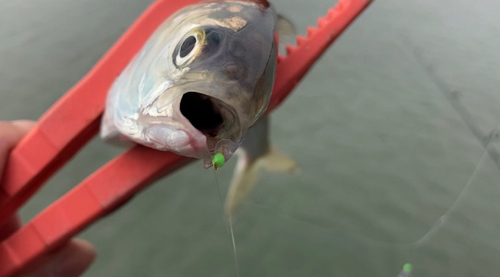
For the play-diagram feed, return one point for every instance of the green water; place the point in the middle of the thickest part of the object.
(383, 154)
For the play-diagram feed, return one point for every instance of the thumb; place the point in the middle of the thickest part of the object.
(73, 259)
(10, 134)
(69, 261)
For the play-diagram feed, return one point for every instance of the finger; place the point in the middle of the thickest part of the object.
(10, 134)
(74, 259)
(69, 261)
(24, 124)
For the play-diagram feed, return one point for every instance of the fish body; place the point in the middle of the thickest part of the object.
(199, 85)
(256, 154)
(200, 82)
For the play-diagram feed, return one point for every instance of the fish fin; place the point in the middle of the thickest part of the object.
(246, 176)
(286, 32)
(276, 162)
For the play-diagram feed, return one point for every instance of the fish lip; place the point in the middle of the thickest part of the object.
(197, 144)
(158, 132)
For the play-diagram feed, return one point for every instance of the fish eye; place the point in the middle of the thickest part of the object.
(200, 42)
(187, 46)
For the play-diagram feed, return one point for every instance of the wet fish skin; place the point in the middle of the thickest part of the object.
(218, 57)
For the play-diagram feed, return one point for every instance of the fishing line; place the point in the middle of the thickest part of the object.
(443, 219)
(218, 189)
(234, 246)
(218, 162)
(453, 98)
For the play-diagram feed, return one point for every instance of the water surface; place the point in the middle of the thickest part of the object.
(390, 172)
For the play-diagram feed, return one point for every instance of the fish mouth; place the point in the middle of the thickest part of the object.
(211, 116)
(203, 112)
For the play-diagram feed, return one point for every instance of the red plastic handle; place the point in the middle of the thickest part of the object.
(75, 118)
(124, 176)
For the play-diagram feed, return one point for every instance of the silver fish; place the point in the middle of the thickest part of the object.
(200, 82)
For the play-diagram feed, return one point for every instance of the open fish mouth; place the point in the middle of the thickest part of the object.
(203, 112)
(211, 116)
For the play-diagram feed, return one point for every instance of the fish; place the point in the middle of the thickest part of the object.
(200, 86)
(256, 154)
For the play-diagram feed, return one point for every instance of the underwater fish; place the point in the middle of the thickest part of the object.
(199, 85)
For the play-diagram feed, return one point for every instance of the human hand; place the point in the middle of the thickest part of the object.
(71, 259)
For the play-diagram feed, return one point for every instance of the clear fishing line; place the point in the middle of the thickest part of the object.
(218, 162)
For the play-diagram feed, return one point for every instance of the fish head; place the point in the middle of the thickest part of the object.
(201, 81)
